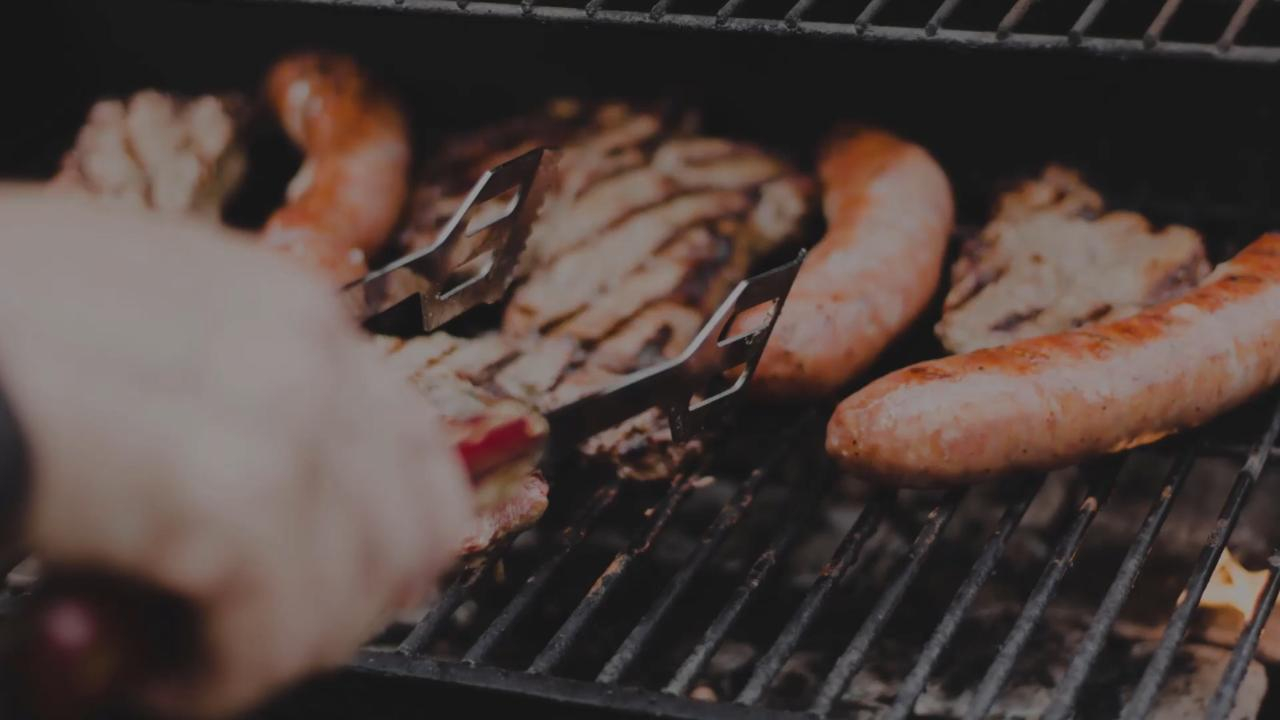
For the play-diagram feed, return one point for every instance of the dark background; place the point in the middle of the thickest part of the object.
(1186, 140)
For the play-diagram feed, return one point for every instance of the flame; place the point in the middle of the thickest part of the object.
(1232, 586)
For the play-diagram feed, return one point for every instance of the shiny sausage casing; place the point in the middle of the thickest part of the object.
(889, 214)
(1051, 401)
(353, 183)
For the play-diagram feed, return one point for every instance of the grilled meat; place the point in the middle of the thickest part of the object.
(160, 152)
(499, 438)
(1053, 400)
(516, 510)
(649, 228)
(889, 214)
(1050, 261)
(350, 191)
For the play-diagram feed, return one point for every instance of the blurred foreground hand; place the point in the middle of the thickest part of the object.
(202, 416)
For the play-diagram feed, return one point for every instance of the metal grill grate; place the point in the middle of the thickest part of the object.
(668, 698)
(1209, 29)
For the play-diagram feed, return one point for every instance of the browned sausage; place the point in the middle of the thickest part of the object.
(1051, 401)
(351, 188)
(889, 213)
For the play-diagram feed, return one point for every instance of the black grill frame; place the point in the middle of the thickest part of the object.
(864, 28)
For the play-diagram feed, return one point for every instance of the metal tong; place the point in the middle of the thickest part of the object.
(425, 289)
(673, 385)
(429, 287)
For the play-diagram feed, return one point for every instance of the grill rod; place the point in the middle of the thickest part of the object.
(1224, 698)
(555, 649)
(726, 520)
(851, 660)
(1101, 484)
(1063, 703)
(814, 600)
(430, 625)
(577, 531)
(915, 682)
(1158, 668)
(761, 570)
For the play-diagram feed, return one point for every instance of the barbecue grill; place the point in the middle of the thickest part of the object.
(627, 597)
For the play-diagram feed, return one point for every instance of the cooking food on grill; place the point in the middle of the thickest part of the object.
(1050, 261)
(500, 439)
(350, 191)
(160, 152)
(648, 230)
(1050, 401)
(889, 214)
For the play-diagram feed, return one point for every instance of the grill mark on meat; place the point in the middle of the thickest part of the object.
(479, 359)
(538, 370)
(1040, 261)
(569, 285)
(664, 327)
(1014, 319)
(611, 167)
(613, 201)
(1183, 278)
(713, 270)
(967, 284)
(694, 269)
(657, 279)
(1093, 315)
(601, 208)
(737, 167)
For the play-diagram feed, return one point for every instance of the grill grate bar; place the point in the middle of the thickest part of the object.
(727, 10)
(726, 520)
(1085, 21)
(574, 534)
(1236, 24)
(797, 11)
(861, 29)
(1224, 698)
(1064, 698)
(1157, 28)
(431, 623)
(851, 660)
(1237, 451)
(760, 571)
(869, 13)
(1013, 17)
(1161, 660)
(554, 652)
(940, 16)
(814, 600)
(1100, 486)
(915, 682)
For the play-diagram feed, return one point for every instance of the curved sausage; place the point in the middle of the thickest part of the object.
(1050, 401)
(889, 215)
(352, 185)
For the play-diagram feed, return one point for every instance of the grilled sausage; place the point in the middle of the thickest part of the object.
(889, 213)
(352, 186)
(1051, 401)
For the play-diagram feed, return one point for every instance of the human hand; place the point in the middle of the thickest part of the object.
(201, 416)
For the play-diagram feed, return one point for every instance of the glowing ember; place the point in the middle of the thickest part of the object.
(1232, 586)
